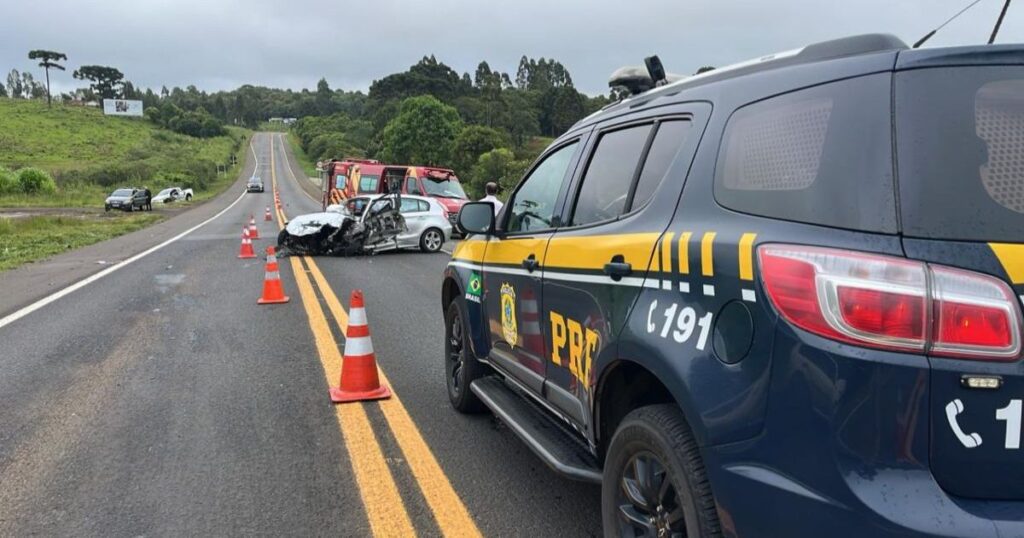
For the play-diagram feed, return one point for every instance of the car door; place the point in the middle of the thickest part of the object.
(415, 213)
(597, 261)
(513, 265)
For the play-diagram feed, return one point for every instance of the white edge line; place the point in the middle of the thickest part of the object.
(11, 318)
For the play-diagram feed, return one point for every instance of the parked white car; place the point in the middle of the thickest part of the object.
(172, 194)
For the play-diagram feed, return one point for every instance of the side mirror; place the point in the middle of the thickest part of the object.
(477, 218)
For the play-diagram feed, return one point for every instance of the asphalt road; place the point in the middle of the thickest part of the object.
(160, 400)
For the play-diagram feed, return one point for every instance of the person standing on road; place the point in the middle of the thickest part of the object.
(149, 198)
(491, 189)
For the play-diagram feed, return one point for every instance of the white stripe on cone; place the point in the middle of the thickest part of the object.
(358, 346)
(357, 316)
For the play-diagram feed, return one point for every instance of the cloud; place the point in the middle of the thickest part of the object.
(221, 44)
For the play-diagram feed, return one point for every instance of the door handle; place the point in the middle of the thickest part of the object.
(530, 263)
(618, 267)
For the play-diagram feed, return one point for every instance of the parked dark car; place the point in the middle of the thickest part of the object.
(126, 199)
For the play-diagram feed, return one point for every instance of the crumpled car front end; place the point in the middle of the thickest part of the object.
(337, 233)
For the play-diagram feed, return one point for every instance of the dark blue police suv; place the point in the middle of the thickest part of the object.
(777, 299)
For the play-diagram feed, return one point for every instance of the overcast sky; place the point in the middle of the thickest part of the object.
(222, 44)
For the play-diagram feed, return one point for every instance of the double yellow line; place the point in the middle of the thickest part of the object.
(384, 506)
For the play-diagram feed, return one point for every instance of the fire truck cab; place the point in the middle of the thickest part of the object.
(335, 179)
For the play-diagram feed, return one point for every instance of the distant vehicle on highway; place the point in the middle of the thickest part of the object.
(172, 194)
(126, 199)
(255, 184)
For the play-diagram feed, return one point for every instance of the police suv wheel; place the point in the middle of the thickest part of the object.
(654, 480)
(460, 366)
(431, 240)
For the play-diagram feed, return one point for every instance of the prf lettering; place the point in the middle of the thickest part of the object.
(569, 336)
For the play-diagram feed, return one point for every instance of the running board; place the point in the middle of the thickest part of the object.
(551, 442)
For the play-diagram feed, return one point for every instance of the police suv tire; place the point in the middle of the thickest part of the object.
(461, 397)
(188, 197)
(661, 431)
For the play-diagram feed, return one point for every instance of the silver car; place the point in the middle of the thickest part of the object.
(426, 221)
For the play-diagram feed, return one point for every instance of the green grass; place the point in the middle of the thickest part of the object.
(308, 166)
(25, 240)
(90, 154)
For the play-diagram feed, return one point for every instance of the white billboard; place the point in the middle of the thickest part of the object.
(122, 107)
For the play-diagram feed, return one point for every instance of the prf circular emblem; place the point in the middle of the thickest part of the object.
(508, 314)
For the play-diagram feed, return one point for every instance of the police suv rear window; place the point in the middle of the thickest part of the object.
(822, 155)
(960, 149)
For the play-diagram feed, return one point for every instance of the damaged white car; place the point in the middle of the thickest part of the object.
(368, 224)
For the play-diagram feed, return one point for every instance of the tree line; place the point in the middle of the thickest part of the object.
(486, 126)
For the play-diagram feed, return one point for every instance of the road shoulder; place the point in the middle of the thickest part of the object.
(26, 284)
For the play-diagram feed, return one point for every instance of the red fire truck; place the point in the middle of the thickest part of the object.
(336, 177)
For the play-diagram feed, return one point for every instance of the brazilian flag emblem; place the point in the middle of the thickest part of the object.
(475, 284)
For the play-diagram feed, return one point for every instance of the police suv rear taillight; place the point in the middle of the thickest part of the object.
(892, 303)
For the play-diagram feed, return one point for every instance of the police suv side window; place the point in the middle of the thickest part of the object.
(605, 188)
(532, 207)
(667, 141)
(822, 155)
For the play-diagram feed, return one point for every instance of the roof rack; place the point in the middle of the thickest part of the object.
(825, 50)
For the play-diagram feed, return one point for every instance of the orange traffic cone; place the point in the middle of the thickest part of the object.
(273, 293)
(246, 250)
(266, 216)
(254, 233)
(359, 380)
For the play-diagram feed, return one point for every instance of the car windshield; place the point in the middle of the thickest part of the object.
(122, 192)
(445, 188)
(165, 192)
(380, 205)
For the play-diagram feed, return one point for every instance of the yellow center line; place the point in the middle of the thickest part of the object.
(384, 507)
(449, 512)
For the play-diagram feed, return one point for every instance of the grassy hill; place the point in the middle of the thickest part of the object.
(90, 154)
